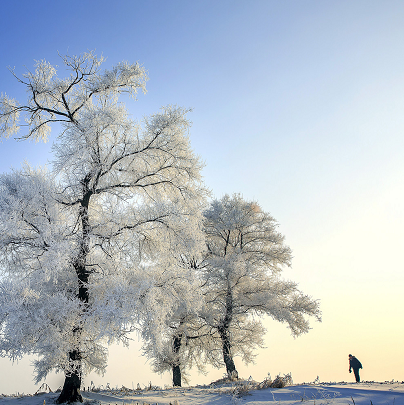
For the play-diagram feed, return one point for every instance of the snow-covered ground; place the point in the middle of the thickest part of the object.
(319, 394)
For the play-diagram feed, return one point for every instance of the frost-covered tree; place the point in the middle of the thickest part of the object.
(80, 245)
(241, 279)
(165, 334)
(169, 333)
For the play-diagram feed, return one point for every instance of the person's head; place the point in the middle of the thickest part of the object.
(350, 355)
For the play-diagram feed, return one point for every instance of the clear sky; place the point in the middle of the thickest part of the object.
(297, 105)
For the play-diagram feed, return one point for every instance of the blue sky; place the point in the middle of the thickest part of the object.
(296, 104)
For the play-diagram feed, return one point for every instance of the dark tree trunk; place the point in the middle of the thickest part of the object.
(225, 334)
(176, 367)
(71, 387)
(176, 376)
(227, 356)
(71, 390)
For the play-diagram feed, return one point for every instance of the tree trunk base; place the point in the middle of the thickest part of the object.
(71, 390)
(227, 357)
(176, 376)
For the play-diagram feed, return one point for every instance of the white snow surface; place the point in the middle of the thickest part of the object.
(388, 393)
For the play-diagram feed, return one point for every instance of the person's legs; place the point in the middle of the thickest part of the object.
(356, 372)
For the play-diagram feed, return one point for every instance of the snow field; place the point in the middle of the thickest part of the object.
(367, 393)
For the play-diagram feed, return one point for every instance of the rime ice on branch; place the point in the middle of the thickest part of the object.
(80, 245)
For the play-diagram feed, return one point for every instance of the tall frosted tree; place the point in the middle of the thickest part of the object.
(80, 244)
(241, 279)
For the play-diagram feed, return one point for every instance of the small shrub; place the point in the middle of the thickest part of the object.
(266, 383)
(43, 389)
(279, 382)
(241, 390)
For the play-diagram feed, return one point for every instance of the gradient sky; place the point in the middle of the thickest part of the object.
(297, 105)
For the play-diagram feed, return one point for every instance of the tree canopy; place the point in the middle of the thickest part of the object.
(239, 278)
(83, 244)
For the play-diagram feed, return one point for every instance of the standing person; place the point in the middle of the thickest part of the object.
(354, 364)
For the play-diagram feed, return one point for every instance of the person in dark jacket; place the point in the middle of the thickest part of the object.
(354, 364)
